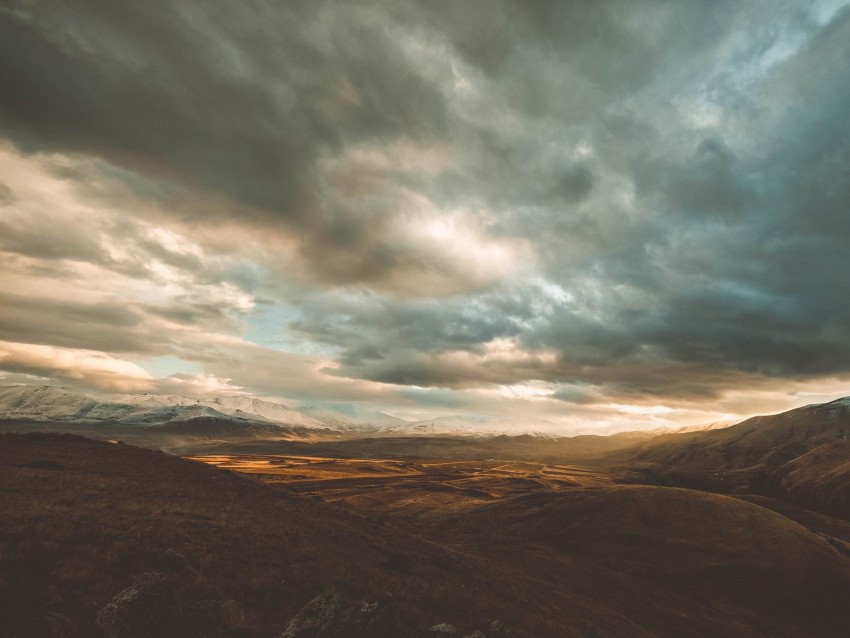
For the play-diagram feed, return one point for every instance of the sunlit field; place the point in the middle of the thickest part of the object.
(387, 486)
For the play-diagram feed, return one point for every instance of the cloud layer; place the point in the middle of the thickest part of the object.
(574, 210)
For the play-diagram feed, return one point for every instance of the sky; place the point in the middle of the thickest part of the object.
(596, 215)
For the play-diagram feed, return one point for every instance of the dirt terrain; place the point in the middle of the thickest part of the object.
(747, 558)
(548, 549)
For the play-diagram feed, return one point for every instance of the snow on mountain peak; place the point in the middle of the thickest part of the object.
(52, 403)
(47, 403)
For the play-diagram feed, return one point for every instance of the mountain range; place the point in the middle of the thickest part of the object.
(51, 403)
(718, 456)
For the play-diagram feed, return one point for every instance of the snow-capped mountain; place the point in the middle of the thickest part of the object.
(50, 403)
(480, 425)
(356, 414)
(44, 403)
(243, 407)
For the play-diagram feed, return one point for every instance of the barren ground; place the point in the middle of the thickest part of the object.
(551, 549)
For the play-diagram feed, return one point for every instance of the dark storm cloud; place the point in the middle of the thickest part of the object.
(112, 326)
(243, 101)
(735, 264)
(575, 184)
(430, 325)
(673, 177)
(96, 326)
(7, 195)
(536, 338)
(704, 184)
(35, 239)
(184, 311)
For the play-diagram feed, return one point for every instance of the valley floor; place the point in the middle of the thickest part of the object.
(523, 517)
(383, 486)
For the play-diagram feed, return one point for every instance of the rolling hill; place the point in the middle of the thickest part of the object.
(723, 563)
(82, 520)
(739, 457)
(818, 480)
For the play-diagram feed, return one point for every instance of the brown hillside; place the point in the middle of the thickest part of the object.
(818, 480)
(81, 519)
(738, 457)
(726, 565)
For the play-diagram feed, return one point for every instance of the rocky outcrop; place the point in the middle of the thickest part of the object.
(149, 609)
(497, 628)
(316, 617)
(443, 629)
(330, 616)
(146, 608)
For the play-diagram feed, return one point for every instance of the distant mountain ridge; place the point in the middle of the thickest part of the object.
(721, 445)
(799, 456)
(761, 441)
(52, 403)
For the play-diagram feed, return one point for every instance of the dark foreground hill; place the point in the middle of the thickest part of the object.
(724, 565)
(82, 520)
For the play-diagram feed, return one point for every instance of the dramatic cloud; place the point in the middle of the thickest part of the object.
(94, 369)
(588, 212)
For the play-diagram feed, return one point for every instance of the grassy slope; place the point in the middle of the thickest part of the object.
(818, 480)
(681, 562)
(737, 459)
(81, 518)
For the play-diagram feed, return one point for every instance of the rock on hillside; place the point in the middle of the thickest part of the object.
(330, 616)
